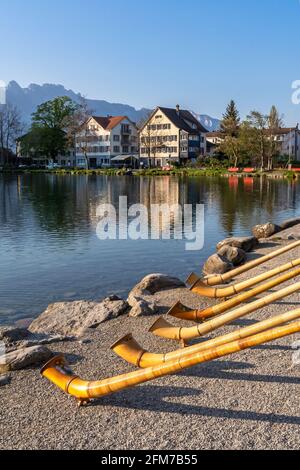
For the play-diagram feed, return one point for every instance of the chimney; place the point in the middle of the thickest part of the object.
(177, 109)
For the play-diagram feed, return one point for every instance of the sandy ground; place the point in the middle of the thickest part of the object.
(249, 400)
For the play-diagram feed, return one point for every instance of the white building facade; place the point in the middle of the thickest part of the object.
(171, 135)
(104, 138)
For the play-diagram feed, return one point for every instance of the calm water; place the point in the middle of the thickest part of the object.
(50, 252)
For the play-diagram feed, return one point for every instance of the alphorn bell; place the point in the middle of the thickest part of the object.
(221, 292)
(56, 370)
(128, 349)
(184, 313)
(165, 330)
(222, 278)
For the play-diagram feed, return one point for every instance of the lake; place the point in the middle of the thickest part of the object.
(50, 250)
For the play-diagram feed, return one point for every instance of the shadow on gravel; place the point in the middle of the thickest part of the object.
(155, 399)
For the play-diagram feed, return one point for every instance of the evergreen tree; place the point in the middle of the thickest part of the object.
(231, 120)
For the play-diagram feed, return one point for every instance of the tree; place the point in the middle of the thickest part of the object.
(275, 122)
(258, 141)
(232, 148)
(50, 122)
(231, 145)
(10, 129)
(78, 126)
(231, 120)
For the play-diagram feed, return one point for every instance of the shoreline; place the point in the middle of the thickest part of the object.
(188, 172)
(246, 401)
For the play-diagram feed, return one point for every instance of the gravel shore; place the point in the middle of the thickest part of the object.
(250, 400)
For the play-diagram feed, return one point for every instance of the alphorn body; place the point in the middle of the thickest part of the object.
(57, 371)
(184, 313)
(221, 292)
(128, 348)
(165, 330)
(222, 278)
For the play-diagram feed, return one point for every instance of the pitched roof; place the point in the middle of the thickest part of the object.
(215, 134)
(285, 130)
(109, 122)
(179, 119)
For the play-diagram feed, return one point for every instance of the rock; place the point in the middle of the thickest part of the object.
(4, 379)
(289, 223)
(265, 230)
(71, 318)
(12, 335)
(234, 255)
(142, 307)
(24, 322)
(244, 243)
(22, 358)
(154, 283)
(217, 264)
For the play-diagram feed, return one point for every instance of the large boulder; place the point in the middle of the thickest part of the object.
(289, 223)
(153, 283)
(216, 264)
(19, 338)
(21, 358)
(140, 297)
(265, 230)
(71, 318)
(234, 255)
(244, 243)
(142, 306)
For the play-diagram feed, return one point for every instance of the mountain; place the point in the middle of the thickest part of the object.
(27, 100)
(211, 124)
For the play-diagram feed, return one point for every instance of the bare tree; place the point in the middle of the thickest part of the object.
(78, 131)
(10, 129)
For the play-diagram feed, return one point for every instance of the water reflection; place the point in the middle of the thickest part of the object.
(49, 250)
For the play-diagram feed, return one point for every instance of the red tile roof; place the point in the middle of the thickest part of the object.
(109, 122)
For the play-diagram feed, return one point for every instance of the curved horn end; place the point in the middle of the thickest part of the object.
(128, 349)
(160, 323)
(55, 361)
(125, 339)
(177, 310)
(192, 279)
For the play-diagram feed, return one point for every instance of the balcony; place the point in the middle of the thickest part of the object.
(126, 130)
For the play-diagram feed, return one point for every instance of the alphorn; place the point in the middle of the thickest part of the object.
(184, 313)
(57, 370)
(221, 292)
(164, 329)
(128, 348)
(222, 278)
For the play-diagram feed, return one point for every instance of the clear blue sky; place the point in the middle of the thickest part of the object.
(194, 52)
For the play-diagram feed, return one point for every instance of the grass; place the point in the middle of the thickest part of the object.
(180, 171)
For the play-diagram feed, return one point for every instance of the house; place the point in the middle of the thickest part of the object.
(171, 135)
(287, 138)
(289, 142)
(213, 140)
(105, 140)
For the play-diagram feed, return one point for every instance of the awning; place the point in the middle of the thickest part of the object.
(122, 158)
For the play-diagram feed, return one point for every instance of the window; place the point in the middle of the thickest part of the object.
(159, 116)
(116, 148)
(116, 138)
(125, 149)
(194, 137)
